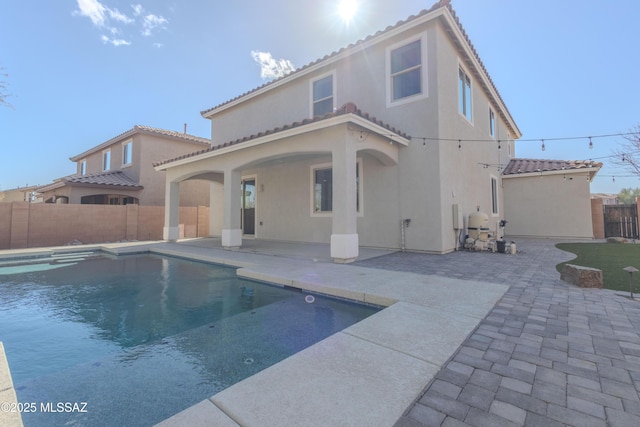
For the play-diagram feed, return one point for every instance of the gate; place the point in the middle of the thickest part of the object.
(621, 221)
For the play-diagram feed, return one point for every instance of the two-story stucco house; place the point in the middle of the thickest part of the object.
(120, 171)
(390, 142)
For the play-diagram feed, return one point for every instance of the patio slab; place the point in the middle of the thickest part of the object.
(341, 378)
(422, 332)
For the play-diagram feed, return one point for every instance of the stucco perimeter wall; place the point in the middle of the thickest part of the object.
(25, 225)
(548, 206)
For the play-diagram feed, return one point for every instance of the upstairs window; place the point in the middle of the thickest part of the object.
(464, 92)
(83, 167)
(406, 70)
(492, 123)
(127, 152)
(322, 96)
(106, 160)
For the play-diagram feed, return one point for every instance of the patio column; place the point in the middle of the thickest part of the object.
(231, 229)
(344, 232)
(171, 231)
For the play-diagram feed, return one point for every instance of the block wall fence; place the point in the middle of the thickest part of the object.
(30, 225)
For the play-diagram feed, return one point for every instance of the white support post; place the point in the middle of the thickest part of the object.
(231, 228)
(344, 231)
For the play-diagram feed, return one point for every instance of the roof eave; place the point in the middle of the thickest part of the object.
(332, 58)
(592, 170)
(480, 70)
(310, 127)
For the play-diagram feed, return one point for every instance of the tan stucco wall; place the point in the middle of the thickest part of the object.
(433, 174)
(548, 206)
(16, 195)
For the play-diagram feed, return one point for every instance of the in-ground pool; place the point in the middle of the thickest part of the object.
(139, 338)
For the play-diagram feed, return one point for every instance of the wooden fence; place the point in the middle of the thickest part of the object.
(29, 225)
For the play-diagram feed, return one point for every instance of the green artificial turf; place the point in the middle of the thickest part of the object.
(611, 258)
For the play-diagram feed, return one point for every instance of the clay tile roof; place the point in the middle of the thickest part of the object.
(518, 166)
(348, 108)
(438, 5)
(114, 179)
(173, 134)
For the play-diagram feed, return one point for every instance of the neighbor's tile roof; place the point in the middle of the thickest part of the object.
(436, 6)
(517, 166)
(348, 108)
(145, 130)
(112, 179)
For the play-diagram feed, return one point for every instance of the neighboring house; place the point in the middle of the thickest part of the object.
(21, 194)
(549, 198)
(403, 128)
(120, 171)
(607, 199)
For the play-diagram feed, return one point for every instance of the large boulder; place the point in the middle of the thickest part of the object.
(585, 277)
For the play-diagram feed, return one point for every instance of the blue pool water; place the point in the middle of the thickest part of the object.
(141, 337)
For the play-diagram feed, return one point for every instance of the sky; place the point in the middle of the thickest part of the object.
(79, 72)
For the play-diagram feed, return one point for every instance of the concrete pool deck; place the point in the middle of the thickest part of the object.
(369, 373)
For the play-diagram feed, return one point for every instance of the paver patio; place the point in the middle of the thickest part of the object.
(547, 354)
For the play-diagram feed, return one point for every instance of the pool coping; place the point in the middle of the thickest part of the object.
(366, 374)
(9, 415)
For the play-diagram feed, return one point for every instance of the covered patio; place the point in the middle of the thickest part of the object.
(306, 180)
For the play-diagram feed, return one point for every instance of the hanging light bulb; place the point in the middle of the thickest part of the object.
(590, 143)
(459, 144)
(614, 179)
(543, 147)
(499, 145)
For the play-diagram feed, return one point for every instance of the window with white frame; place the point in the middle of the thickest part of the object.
(83, 167)
(322, 179)
(405, 71)
(464, 93)
(492, 123)
(127, 152)
(106, 160)
(322, 95)
(494, 195)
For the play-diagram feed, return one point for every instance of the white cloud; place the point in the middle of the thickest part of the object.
(114, 41)
(271, 68)
(93, 10)
(112, 21)
(120, 17)
(151, 22)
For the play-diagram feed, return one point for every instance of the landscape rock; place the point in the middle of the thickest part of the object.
(584, 277)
